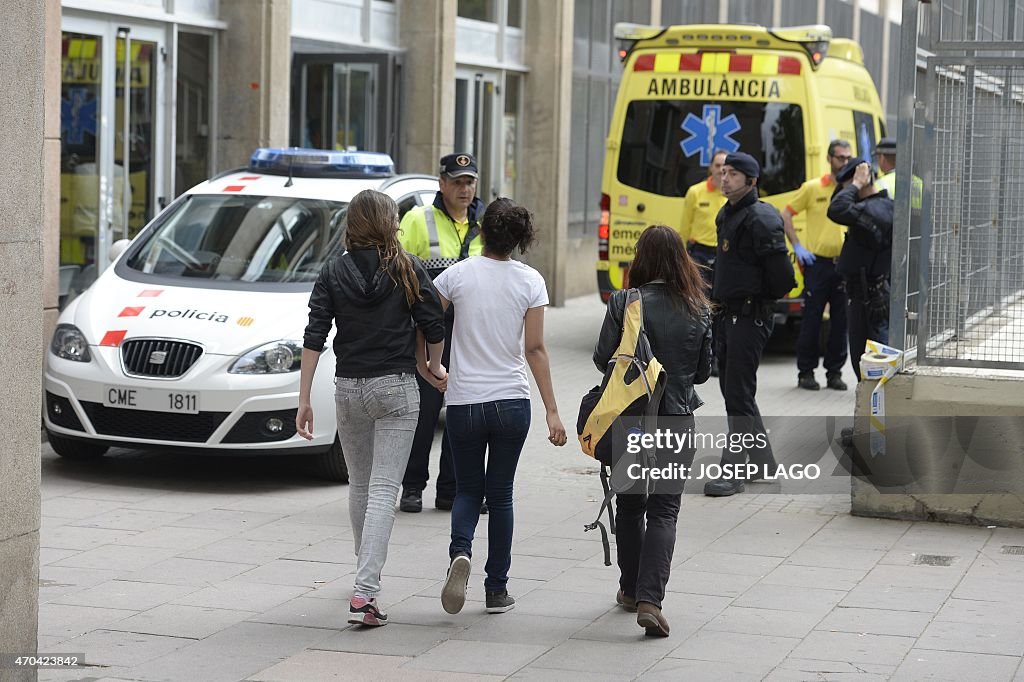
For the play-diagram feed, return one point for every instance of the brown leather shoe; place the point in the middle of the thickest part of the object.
(627, 603)
(648, 616)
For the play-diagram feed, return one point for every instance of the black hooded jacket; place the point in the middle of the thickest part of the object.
(376, 327)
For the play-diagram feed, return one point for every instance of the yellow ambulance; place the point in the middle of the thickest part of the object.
(687, 91)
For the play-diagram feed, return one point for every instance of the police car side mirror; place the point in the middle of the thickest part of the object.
(117, 248)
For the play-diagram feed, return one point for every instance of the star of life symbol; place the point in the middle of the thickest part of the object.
(78, 115)
(709, 133)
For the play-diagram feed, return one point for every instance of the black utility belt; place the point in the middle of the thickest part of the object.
(702, 248)
(760, 308)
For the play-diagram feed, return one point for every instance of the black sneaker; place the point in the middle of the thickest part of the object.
(723, 487)
(363, 611)
(443, 503)
(412, 501)
(807, 381)
(499, 602)
(453, 594)
(483, 508)
(835, 382)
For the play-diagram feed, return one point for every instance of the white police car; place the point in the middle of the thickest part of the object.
(192, 338)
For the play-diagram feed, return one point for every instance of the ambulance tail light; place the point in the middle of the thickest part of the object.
(604, 227)
(628, 34)
(813, 39)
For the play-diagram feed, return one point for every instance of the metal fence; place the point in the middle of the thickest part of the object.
(958, 258)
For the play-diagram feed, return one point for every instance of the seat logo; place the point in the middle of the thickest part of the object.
(157, 357)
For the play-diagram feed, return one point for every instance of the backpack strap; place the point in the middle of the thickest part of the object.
(609, 493)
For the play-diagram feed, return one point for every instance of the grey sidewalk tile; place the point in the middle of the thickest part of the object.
(56, 582)
(62, 620)
(176, 620)
(334, 666)
(933, 577)
(896, 598)
(393, 588)
(231, 654)
(801, 670)
(515, 626)
(123, 594)
(245, 551)
(972, 611)
(64, 507)
(697, 606)
(410, 562)
(532, 673)
(517, 587)
(538, 567)
(418, 610)
(673, 669)
(237, 594)
(51, 555)
(602, 581)
(876, 622)
(292, 572)
(175, 537)
(815, 576)
(760, 652)
(130, 519)
(286, 530)
(335, 550)
(397, 639)
(486, 658)
(947, 666)
(978, 638)
(788, 598)
(266, 504)
(124, 649)
(717, 584)
(990, 589)
(769, 534)
(127, 494)
(999, 567)
(755, 621)
(121, 557)
(306, 612)
(180, 571)
(581, 657)
(835, 557)
(854, 647)
(734, 564)
(75, 537)
(227, 519)
(620, 627)
(190, 501)
(581, 605)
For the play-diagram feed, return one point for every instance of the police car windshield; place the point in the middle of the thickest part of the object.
(239, 238)
(667, 144)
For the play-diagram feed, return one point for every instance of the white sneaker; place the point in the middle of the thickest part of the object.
(453, 596)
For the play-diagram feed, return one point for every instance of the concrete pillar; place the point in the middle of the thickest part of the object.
(547, 104)
(30, 146)
(427, 31)
(254, 94)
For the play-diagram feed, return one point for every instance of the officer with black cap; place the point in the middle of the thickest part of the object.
(440, 235)
(866, 257)
(752, 271)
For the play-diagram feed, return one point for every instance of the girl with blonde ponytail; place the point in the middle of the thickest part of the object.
(383, 304)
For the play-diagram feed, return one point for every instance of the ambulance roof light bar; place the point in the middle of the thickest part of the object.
(628, 34)
(321, 163)
(814, 39)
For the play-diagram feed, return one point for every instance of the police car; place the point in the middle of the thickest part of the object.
(192, 337)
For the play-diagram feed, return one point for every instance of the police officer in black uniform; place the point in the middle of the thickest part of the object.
(752, 271)
(866, 257)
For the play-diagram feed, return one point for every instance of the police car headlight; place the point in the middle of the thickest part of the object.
(69, 343)
(276, 357)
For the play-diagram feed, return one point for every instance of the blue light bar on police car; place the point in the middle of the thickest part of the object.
(321, 163)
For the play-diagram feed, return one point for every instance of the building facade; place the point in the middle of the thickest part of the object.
(157, 95)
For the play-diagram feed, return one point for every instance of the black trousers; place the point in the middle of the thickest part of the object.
(645, 538)
(705, 255)
(417, 472)
(822, 285)
(740, 340)
(862, 329)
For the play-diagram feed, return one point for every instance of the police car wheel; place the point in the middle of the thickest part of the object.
(332, 465)
(70, 448)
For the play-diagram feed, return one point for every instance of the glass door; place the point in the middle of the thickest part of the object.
(111, 142)
(344, 102)
(478, 112)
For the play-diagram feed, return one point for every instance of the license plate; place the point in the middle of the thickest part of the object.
(151, 399)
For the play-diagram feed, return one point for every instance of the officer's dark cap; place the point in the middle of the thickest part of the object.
(454, 165)
(849, 168)
(886, 145)
(744, 163)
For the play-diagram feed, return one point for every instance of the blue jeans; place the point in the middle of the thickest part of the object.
(499, 429)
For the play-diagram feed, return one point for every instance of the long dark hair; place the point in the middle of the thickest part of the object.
(373, 222)
(507, 226)
(661, 254)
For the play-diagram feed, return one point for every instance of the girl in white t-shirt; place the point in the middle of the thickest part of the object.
(497, 300)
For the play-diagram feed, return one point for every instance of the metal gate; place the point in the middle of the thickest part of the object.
(958, 259)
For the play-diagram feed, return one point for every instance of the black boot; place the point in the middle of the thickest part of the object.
(834, 380)
(806, 380)
(723, 487)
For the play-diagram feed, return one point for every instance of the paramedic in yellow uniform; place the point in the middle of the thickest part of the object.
(823, 240)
